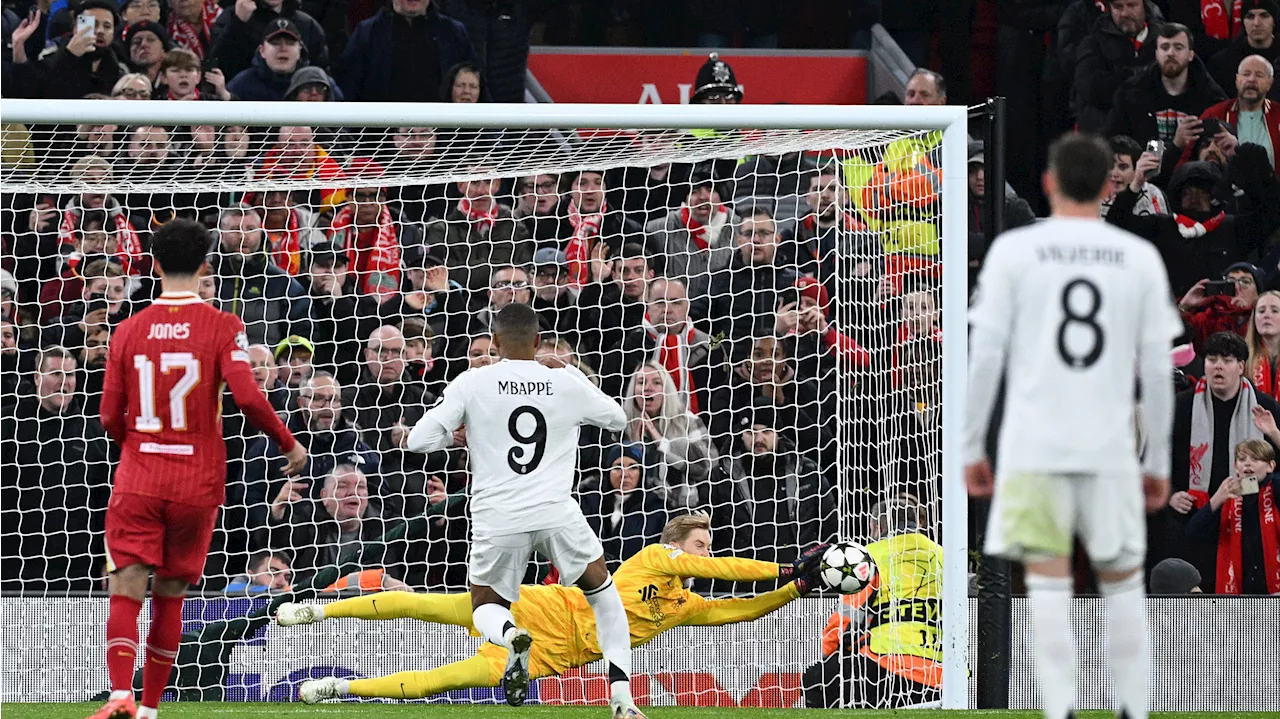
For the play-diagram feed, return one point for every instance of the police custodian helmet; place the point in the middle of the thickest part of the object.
(715, 77)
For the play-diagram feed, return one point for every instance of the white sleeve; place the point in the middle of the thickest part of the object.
(1160, 325)
(991, 320)
(435, 430)
(597, 408)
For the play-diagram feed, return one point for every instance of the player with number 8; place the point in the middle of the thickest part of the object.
(161, 403)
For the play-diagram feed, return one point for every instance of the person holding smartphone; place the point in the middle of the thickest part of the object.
(86, 61)
(1223, 305)
(1241, 519)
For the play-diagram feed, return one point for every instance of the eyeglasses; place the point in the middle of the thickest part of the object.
(1243, 281)
(511, 285)
(366, 196)
(546, 185)
(389, 352)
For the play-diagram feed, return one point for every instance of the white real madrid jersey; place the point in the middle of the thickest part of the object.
(522, 421)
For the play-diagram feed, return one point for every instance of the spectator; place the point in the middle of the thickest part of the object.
(84, 62)
(103, 295)
(295, 155)
(775, 500)
(807, 333)
(340, 318)
(1263, 339)
(133, 86)
(463, 83)
(147, 42)
(1206, 316)
(182, 79)
(536, 199)
(1201, 238)
(815, 236)
(387, 402)
(481, 351)
(555, 301)
(1257, 119)
(1151, 199)
(1258, 38)
(413, 148)
(365, 229)
(268, 573)
(745, 295)
(589, 232)
(510, 284)
(1173, 577)
(1239, 523)
(479, 234)
(238, 34)
(93, 364)
(616, 302)
(293, 360)
(270, 302)
(651, 191)
(427, 292)
(96, 240)
(263, 362)
(668, 337)
(557, 352)
(659, 420)
(311, 84)
(191, 24)
(625, 510)
(402, 53)
(10, 360)
(327, 432)
(321, 532)
(133, 11)
(1175, 89)
(925, 87)
(1120, 45)
(1221, 412)
(695, 240)
(270, 74)
(1017, 213)
(56, 488)
(288, 226)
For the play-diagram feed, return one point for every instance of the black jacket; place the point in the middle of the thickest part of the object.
(63, 75)
(1106, 60)
(1142, 107)
(1223, 64)
(236, 43)
(271, 304)
(744, 298)
(643, 516)
(339, 328)
(365, 73)
(1205, 525)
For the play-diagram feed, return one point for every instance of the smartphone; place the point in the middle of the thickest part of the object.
(1156, 147)
(1220, 288)
(1248, 485)
(86, 24)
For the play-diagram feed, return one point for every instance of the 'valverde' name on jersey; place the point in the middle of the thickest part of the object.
(522, 422)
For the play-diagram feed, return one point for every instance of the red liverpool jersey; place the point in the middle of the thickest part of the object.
(162, 399)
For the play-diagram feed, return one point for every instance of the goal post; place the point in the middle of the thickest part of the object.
(44, 140)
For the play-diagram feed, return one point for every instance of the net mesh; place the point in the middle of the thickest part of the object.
(719, 284)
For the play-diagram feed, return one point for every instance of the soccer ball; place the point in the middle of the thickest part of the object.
(847, 567)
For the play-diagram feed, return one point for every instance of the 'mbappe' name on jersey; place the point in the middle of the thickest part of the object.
(1059, 255)
(524, 389)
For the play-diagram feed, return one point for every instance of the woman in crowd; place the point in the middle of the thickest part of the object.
(1264, 344)
(623, 507)
(658, 418)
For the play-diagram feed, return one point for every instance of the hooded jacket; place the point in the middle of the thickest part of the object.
(235, 43)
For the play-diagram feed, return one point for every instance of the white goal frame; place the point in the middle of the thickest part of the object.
(951, 121)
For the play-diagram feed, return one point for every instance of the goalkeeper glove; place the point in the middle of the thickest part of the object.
(808, 582)
(808, 562)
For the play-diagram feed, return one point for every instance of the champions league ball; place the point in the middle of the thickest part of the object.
(847, 568)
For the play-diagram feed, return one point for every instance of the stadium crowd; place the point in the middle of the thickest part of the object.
(771, 325)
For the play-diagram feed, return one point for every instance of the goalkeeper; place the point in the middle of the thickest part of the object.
(652, 587)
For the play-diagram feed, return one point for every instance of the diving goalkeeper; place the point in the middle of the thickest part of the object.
(652, 587)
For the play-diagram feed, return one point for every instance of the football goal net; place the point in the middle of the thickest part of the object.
(765, 290)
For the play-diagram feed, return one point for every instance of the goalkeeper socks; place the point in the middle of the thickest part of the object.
(452, 609)
(466, 674)
(1130, 651)
(162, 647)
(614, 635)
(493, 621)
(122, 643)
(1054, 646)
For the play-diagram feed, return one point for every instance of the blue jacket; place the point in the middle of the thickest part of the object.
(363, 74)
(260, 82)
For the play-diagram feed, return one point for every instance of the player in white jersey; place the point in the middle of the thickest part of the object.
(522, 423)
(1071, 307)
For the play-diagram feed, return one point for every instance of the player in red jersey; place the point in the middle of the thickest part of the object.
(161, 403)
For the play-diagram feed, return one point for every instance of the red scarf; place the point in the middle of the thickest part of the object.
(373, 252)
(578, 252)
(1191, 229)
(1230, 578)
(1218, 25)
(187, 35)
(482, 221)
(672, 352)
(1264, 379)
(286, 245)
(697, 230)
(128, 244)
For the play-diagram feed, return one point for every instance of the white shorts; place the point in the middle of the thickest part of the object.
(1036, 515)
(499, 562)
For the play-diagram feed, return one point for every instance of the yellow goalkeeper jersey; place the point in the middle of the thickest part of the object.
(652, 587)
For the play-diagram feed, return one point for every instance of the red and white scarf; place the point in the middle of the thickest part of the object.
(578, 252)
(671, 350)
(1191, 229)
(482, 221)
(1230, 571)
(1218, 25)
(286, 244)
(698, 231)
(128, 244)
(187, 35)
(374, 253)
(1264, 379)
(1202, 439)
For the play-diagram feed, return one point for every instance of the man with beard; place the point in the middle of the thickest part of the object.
(93, 360)
(147, 43)
(614, 302)
(695, 239)
(1120, 44)
(589, 230)
(744, 295)
(1258, 38)
(1164, 102)
(270, 302)
(1257, 119)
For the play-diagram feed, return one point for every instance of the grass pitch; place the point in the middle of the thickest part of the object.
(214, 710)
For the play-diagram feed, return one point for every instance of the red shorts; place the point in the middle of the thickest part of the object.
(170, 536)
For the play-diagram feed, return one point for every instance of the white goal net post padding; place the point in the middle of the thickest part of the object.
(436, 215)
